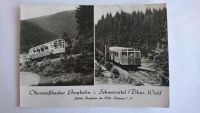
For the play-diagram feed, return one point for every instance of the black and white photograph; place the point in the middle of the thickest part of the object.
(99, 56)
(131, 45)
(56, 45)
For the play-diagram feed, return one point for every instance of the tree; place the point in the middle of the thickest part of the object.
(85, 15)
(68, 43)
(66, 37)
(85, 41)
(85, 19)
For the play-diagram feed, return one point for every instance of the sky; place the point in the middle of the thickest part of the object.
(103, 10)
(32, 11)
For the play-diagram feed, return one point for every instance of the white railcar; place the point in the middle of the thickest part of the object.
(46, 49)
(125, 56)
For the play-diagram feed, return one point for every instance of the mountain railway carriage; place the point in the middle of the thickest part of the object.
(125, 56)
(51, 48)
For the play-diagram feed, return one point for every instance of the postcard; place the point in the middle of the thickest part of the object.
(94, 55)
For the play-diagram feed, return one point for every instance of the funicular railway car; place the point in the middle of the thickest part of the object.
(125, 56)
(47, 49)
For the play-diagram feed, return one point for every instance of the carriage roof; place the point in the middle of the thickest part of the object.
(122, 49)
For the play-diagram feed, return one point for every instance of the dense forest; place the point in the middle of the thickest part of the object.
(146, 31)
(143, 30)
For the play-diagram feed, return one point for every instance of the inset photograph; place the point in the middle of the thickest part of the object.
(56, 45)
(131, 45)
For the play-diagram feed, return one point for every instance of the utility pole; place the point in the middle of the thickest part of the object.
(105, 52)
(134, 50)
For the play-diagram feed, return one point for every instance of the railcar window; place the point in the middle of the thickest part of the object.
(124, 54)
(42, 49)
(55, 46)
(46, 47)
(34, 51)
(137, 54)
(60, 45)
(38, 50)
(116, 54)
(63, 44)
(131, 54)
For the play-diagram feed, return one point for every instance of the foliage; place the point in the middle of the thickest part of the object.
(84, 64)
(98, 71)
(142, 30)
(162, 61)
(85, 41)
(85, 19)
(116, 73)
(69, 64)
(108, 66)
(68, 43)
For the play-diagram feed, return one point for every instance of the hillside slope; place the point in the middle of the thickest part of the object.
(58, 23)
(33, 35)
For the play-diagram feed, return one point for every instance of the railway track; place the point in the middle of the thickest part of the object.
(145, 76)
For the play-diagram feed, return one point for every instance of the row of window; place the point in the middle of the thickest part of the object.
(115, 53)
(130, 54)
(56, 45)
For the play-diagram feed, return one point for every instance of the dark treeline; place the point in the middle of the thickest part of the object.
(146, 31)
(85, 19)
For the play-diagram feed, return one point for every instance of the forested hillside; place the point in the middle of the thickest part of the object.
(146, 31)
(32, 35)
(59, 23)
